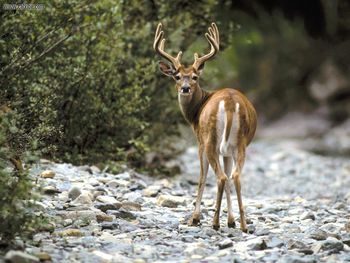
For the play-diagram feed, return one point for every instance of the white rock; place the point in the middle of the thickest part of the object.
(84, 198)
(152, 190)
(47, 174)
(74, 192)
(171, 201)
(118, 183)
(107, 199)
(15, 256)
(104, 257)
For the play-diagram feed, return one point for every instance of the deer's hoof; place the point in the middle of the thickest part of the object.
(231, 224)
(193, 222)
(216, 227)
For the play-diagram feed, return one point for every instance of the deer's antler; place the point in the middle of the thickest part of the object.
(158, 46)
(214, 41)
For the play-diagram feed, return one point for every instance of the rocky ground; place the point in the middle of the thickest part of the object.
(297, 205)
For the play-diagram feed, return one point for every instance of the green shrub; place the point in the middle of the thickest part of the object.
(81, 80)
(17, 215)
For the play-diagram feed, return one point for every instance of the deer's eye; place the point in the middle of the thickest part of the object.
(194, 77)
(177, 77)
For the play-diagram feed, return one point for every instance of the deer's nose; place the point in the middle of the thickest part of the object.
(185, 89)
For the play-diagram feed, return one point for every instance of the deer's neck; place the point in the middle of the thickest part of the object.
(191, 107)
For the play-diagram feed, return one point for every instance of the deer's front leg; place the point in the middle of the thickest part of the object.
(195, 219)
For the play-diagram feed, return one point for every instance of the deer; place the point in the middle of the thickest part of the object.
(223, 121)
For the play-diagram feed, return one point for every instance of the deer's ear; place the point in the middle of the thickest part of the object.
(200, 69)
(166, 69)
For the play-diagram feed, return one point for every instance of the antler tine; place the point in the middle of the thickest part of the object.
(158, 46)
(213, 39)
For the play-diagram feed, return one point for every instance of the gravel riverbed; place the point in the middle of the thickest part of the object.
(297, 206)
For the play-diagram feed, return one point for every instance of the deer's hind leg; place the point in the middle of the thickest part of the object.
(221, 178)
(239, 157)
(228, 161)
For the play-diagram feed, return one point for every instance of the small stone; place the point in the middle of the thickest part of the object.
(134, 197)
(262, 232)
(152, 190)
(94, 169)
(209, 231)
(104, 218)
(47, 227)
(118, 183)
(131, 206)
(43, 256)
(171, 201)
(15, 256)
(274, 242)
(332, 228)
(107, 199)
(123, 176)
(47, 174)
(50, 190)
(331, 245)
(71, 233)
(122, 214)
(318, 234)
(84, 198)
(308, 215)
(295, 244)
(75, 215)
(104, 207)
(104, 257)
(67, 222)
(298, 259)
(110, 225)
(81, 223)
(347, 227)
(250, 229)
(225, 243)
(74, 192)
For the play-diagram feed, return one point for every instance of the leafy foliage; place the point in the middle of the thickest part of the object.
(80, 83)
(16, 188)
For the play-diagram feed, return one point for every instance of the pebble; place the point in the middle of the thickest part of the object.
(152, 190)
(108, 206)
(293, 213)
(51, 190)
(171, 201)
(225, 243)
(131, 206)
(104, 218)
(74, 192)
(107, 199)
(15, 256)
(84, 198)
(308, 215)
(70, 232)
(47, 174)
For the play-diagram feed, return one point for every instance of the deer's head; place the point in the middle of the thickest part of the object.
(186, 78)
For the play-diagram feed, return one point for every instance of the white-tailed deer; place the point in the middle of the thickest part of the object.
(223, 121)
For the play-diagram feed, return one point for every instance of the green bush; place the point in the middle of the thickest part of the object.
(16, 189)
(81, 80)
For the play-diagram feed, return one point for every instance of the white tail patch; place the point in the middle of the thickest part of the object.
(226, 148)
